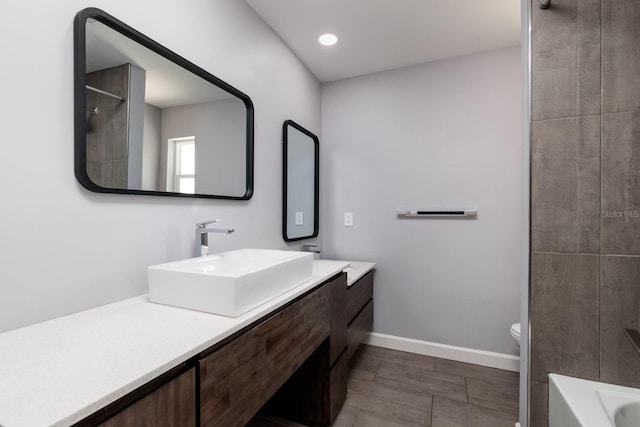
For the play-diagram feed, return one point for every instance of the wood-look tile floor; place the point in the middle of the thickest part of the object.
(393, 388)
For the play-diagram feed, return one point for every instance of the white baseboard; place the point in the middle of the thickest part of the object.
(443, 351)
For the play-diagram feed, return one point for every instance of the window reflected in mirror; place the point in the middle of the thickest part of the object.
(184, 152)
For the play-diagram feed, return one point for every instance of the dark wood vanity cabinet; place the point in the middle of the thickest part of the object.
(313, 395)
(296, 356)
(338, 320)
(316, 391)
(334, 376)
(173, 404)
(238, 378)
(359, 312)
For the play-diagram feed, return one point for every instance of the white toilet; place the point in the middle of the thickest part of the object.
(515, 333)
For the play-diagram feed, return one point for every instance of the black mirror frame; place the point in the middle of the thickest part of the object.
(316, 185)
(80, 130)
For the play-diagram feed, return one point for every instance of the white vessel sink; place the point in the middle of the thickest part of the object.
(229, 283)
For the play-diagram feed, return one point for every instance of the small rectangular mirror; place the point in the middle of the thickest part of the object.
(300, 182)
(148, 121)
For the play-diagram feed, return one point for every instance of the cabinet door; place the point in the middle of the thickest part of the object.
(334, 389)
(338, 334)
(358, 295)
(173, 404)
(239, 378)
(358, 328)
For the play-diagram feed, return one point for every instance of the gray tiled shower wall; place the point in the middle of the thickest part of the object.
(585, 198)
(107, 141)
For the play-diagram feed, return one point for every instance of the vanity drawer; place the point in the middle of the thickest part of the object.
(358, 294)
(335, 389)
(358, 328)
(238, 379)
(173, 404)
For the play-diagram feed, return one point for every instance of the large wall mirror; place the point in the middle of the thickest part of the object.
(148, 121)
(300, 182)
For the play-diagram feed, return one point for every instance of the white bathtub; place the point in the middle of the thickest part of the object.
(575, 402)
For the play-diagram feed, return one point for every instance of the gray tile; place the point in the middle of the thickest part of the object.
(361, 375)
(363, 366)
(416, 407)
(369, 420)
(374, 405)
(620, 58)
(539, 404)
(422, 381)
(621, 183)
(395, 356)
(494, 394)
(449, 413)
(566, 59)
(564, 315)
(265, 420)
(403, 392)
(565, 186)
(620, 300)
(96, 146)
(94, 171)
(469, 370)
(346, 417)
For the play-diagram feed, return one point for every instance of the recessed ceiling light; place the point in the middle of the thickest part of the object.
(328, 39)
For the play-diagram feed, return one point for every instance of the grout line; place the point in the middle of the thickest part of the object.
(480, 406)
(620, 255)
(582, 254)
(553, 119)
(611, 113)
(466, 389)
(375, 374)
(602, 116)
(492, 409)
(355, 419)
(599, 331)
(565, 253)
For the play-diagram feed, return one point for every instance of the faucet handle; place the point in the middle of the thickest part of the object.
(204, 224)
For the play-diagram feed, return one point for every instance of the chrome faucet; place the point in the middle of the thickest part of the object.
(202, 235)
(311, 248)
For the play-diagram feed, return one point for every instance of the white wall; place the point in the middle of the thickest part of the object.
(221, 144)
(438, 135)
(151, 148)
(64, 249)
(136, 125)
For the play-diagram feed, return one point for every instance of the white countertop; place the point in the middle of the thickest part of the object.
(355, 270)
(58, 372)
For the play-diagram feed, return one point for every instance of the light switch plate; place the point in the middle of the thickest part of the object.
(299, 218)
(348, 219)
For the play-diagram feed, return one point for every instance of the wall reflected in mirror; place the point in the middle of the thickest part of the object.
(300, 182)
(155, 123)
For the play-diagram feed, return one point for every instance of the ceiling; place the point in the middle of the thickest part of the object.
(377, 35)
(166, 84)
